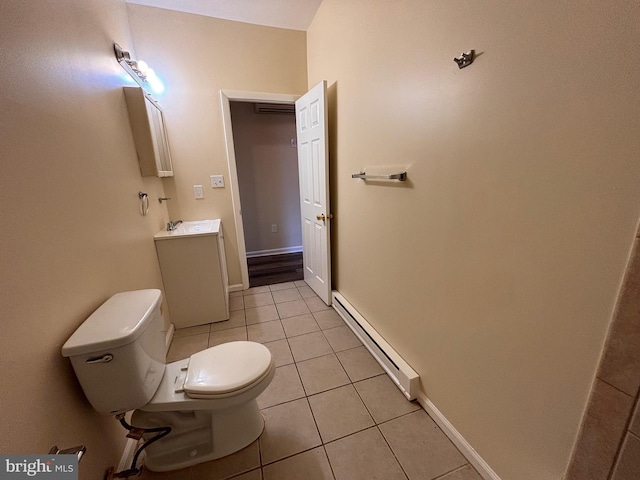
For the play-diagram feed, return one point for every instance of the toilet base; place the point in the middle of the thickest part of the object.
(199, 436)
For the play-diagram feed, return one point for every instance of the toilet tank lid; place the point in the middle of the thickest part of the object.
(117, 322)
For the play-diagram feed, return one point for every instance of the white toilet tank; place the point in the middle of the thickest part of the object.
(119, 352)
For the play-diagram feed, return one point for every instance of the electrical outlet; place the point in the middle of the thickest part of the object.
(217, 181)
(294, 143)
(198, 192)
(274, 228)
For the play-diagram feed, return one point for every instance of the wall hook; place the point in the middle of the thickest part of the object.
(144, 203)
(465, 59)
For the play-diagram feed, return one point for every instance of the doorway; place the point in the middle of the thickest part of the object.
(265, 211)
(264, 135)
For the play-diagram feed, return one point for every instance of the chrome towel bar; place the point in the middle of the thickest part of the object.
(402, 176)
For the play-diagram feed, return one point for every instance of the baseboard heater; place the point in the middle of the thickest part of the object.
(400, 372)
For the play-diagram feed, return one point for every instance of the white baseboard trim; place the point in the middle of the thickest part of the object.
(274, 251)
(236, 288)
(483, 468)
(169, 337)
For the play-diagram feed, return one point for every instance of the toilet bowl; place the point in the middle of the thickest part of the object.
(209, 400)
(211, 408)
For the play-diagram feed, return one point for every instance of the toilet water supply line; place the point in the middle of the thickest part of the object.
(136, 433)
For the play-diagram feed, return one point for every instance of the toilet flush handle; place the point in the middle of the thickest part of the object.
(106, 358)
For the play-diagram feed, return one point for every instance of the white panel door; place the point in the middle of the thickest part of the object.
(313, 167)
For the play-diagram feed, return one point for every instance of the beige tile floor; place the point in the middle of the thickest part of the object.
(331, 413)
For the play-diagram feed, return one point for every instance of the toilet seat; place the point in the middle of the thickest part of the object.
(227, 369)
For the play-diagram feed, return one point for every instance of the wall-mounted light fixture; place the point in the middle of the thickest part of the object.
(138, 70)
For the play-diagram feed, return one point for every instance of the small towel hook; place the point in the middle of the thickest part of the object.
(144, 203)
(465, 59)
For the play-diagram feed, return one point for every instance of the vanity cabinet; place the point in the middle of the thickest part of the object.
(149, 133)
(194, 273)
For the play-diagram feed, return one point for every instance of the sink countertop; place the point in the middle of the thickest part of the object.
(191, 228)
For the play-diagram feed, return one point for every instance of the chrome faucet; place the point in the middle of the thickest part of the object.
(171, 226)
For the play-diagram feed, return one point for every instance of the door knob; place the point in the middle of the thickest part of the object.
(323, 218)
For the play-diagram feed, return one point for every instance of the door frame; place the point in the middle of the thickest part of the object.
(226, 97)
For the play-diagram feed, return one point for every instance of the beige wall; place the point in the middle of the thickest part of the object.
(497, 266)
(196, 57)
(268, 177)
(71, 233)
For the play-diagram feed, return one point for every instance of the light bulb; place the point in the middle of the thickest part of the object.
(143, 67)
(156, 84)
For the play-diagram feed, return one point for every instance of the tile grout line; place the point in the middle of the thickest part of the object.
(303, 388)
(246, 325)
(335, 388)
(625, 432)
(392, 452)
(306, 450)
(260, 448)
(333, 474)
(315, 422)
(439, 477)
(616, 388)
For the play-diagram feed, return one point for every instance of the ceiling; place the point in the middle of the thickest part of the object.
(291, 14)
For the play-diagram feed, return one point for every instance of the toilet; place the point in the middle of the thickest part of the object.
(209, 400)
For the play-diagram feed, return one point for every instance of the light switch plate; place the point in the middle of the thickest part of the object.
(217, 181)
(198, 192)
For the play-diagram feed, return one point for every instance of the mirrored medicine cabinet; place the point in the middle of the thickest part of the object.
(149, 133)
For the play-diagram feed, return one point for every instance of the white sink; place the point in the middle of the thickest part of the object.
(195, 227)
